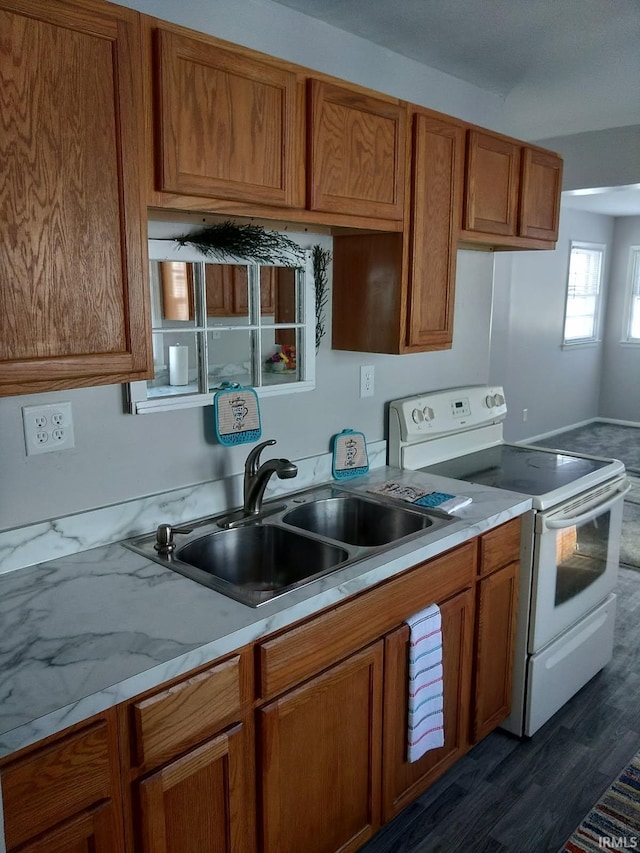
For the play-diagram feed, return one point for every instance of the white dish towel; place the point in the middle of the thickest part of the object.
(425, 728)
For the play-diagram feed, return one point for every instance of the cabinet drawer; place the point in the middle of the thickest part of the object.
(499, 547)
(50, 784)
(323, 640)
(186, 713)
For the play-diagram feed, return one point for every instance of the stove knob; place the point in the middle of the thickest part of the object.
(498, 400)
(417, 416)
(489, 400)
(428, 413)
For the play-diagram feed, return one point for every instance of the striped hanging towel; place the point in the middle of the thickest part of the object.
(425, 728)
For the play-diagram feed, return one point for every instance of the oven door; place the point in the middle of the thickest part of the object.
(575, 564)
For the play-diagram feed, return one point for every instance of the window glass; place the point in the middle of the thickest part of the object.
(584, 292)
(633, 310)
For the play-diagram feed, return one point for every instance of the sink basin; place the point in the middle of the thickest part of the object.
(254, 564)
(356, 521)
(258, 558)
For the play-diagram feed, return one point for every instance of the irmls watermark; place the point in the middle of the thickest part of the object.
(607, 842)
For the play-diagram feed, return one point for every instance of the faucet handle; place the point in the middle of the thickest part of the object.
(253, 459)
(164, 537)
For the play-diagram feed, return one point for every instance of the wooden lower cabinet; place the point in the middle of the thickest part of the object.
(318, 747)
(296, 743)
(92, 831)
(63, 795)
(497, 600)
(403, 781)
(202, 801)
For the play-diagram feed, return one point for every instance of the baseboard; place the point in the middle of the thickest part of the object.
(532, 439)
(619, 422)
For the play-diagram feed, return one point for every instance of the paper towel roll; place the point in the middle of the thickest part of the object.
(178, 365)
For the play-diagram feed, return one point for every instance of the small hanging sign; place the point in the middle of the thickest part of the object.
(349, 455)
(237, 414)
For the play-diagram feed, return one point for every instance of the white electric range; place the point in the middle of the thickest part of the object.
(570, 544)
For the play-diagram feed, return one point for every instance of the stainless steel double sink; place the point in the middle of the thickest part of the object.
(313, 533)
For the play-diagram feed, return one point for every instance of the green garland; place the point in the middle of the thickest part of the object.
(244, 242)
(321, 259)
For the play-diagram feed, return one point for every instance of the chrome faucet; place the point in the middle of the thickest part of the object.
(257, 476)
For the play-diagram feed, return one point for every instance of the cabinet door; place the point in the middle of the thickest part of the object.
(203, 801)
(495, 636)
(438, 163)
(357, 153)
(46, 785)
(404, 781)
(92, 831)
(228, 126)
(493, 169)
(73, 307)
(541, 186)
(319, 755)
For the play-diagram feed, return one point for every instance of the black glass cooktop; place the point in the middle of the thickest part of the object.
(518, 468)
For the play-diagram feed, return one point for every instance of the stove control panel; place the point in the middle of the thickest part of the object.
(438, 413)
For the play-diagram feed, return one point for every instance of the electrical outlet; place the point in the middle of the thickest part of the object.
(367, 380)
(525, 414)
(48, 428)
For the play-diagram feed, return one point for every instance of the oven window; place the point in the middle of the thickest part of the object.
(581, 556)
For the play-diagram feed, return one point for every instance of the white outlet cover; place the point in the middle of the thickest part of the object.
(367, 380)
(48, 428)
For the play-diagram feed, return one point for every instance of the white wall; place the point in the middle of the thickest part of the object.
(558, 387)
(620, 385)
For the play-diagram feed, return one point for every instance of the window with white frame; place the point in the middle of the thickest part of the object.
(632, 315)
(584, 293)
(215, 322)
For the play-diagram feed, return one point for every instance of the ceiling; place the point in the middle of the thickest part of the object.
(561, 66)
(494, 44)
(611, 201)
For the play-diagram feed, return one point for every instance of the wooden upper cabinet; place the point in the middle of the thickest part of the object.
(512, 193)
(73, 305)
(493, 170)
(436, 196)
(227, 126)
(394, 293)
(541, 187)
(357, 152)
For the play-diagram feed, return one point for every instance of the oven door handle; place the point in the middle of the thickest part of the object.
(594, 512)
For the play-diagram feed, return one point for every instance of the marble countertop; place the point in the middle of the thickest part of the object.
(84, 632)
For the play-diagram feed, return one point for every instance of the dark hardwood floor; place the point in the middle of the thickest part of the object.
(527, 796)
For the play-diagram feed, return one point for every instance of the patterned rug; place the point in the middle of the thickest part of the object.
(614, 822)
